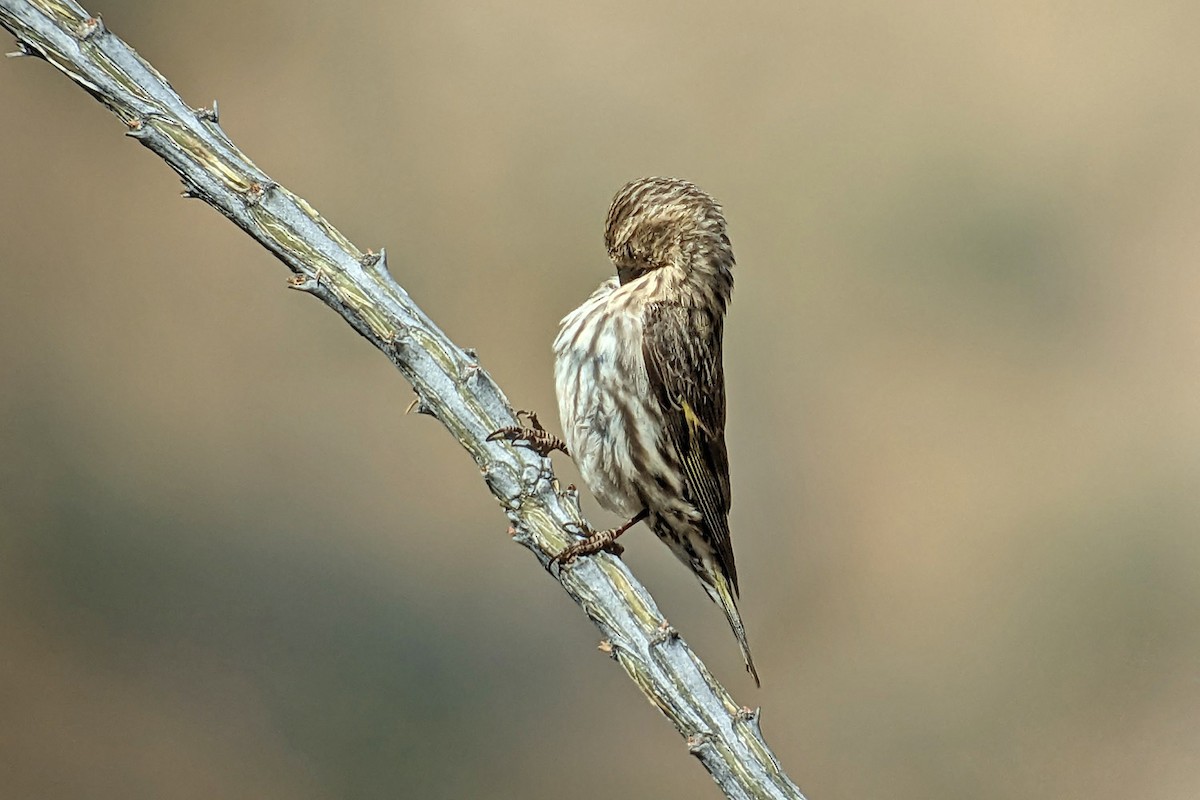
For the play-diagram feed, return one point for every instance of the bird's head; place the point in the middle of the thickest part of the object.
(667, 223)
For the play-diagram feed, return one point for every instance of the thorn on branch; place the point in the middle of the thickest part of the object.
(420, 406)
(189, 192)
(23, 50)
(382, 267)
(89, 28)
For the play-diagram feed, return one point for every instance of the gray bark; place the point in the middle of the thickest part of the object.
(448, 380)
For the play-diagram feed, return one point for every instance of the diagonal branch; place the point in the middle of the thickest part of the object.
(448, 380)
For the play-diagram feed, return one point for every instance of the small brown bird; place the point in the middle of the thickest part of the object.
(641, 386)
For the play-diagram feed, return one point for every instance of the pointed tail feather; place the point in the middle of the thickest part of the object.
(722, 594)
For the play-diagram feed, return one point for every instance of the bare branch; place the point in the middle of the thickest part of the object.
(449, 382)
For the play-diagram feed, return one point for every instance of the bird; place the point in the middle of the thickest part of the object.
(640, 383)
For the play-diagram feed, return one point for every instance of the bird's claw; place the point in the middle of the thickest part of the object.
(532, 416)
(535, 437)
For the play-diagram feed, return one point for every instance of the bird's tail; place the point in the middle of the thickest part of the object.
(722, 594)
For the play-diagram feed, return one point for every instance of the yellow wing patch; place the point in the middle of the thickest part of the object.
(693, 422)
(696, 434)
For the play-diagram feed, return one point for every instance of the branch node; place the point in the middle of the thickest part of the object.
(606, 647)
(517, 528)
(571, 495)
(370, 259)
(532, 474)
(400, 337)
(699, 742)
(468, 373)
(89, 28)
(257, 191)
(299, 281)
(471, 354)
(212, 114)
(747, 715)
(138, 129)
(520, 535)
(665, 633)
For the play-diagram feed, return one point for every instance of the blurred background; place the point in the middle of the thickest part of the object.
(963, 361)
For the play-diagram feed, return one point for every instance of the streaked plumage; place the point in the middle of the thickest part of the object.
(640, 382)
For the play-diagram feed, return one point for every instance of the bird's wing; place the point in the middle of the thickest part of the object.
(682, 351)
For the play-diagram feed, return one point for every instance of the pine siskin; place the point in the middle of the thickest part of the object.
(641, 387)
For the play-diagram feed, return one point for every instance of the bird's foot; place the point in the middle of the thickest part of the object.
(594, 543)
(597, 541)
(534, 437)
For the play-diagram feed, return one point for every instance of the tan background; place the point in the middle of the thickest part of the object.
(964, 367)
